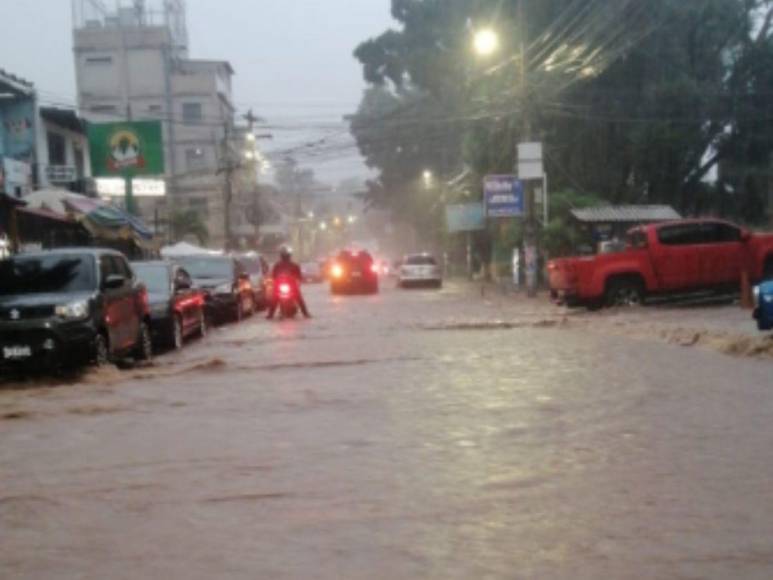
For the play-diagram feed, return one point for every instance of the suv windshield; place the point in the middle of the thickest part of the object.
(251, 266)
(154, 276)
(208, 268)
(47, 274)
(420, 261)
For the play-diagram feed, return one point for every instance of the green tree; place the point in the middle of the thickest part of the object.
(635, 101)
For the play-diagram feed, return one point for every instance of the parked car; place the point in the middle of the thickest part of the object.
(353, 272)
(763, 305)
(69, 307)
(668, 258)
(229, 292)
(419, 270)
(312, 272)
(259, 271)
(177, 309)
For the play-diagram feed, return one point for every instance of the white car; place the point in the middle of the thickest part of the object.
(420, 270)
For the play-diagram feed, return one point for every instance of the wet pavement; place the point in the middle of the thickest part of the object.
(420, 434)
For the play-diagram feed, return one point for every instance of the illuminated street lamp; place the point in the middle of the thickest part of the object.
(485, 42)
(351, 219)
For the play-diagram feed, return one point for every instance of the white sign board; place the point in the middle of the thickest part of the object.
(116, 187)
(530, 161)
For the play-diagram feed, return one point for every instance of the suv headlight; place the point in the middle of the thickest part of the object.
(74, 310)
(224, 289)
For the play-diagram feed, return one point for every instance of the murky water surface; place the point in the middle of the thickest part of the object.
(409, 435)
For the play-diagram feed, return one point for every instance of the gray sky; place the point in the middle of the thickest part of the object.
(293, 59)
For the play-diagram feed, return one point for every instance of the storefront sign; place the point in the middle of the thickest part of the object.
(126, 149)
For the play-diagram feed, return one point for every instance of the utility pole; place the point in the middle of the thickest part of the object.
(530, 230)
(228, 170)
(129, 191)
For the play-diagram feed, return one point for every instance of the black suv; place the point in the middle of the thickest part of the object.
(227, 285)
(354, 272)
(71, 306)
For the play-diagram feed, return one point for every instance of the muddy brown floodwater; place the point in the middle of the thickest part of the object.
(428, 435)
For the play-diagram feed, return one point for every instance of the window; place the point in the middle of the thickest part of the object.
(637, 240)
(110, 109)
(57, 154)
(200, 205)
(195, 158)
(719, 233)
(681, 235)
(99, 60)
(192, 113)
(46, 274)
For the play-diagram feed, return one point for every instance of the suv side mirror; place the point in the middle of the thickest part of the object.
(114, 282)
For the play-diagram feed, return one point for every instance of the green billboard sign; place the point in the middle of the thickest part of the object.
(126, 149)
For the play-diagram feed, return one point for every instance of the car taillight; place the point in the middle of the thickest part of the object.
(374, 268)
(337, 271)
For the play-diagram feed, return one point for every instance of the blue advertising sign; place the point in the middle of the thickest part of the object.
(504, 196)
(465, 217)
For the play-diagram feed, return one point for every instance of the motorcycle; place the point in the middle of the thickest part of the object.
(287, 297)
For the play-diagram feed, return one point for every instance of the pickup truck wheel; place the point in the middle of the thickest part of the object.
(624, 292)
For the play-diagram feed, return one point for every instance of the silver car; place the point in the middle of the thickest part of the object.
(420, 270)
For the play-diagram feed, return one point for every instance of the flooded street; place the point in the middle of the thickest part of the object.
(422, 434)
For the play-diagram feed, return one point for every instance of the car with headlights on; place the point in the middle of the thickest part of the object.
(65, 308)
(177, 309)
(353, 272)
(229, 293)
(419, 270)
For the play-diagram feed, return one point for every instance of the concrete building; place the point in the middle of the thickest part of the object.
(18, 105)
(62, 151)
(132, 63)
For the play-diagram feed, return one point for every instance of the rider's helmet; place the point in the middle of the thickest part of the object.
(286, 253)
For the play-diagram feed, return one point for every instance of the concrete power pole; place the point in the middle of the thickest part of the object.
(228, 170)
(530, 231)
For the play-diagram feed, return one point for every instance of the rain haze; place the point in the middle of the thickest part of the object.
(293, 61)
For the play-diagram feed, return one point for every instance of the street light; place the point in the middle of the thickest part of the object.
(351, 219)
(486, 42)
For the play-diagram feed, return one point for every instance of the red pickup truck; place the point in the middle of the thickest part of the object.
(671, 257)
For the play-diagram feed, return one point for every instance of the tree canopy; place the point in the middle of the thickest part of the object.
(636, 102)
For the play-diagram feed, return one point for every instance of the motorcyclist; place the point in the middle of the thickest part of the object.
(286, 268)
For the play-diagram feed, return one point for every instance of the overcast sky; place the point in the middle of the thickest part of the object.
(293, 59)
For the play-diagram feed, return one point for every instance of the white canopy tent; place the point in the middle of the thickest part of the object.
(183, 249)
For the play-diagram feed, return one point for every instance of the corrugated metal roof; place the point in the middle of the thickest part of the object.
(626, 214)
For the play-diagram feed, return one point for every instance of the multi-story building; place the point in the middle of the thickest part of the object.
(132, 63)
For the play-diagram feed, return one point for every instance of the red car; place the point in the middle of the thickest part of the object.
(354, 272)
(672, 257)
